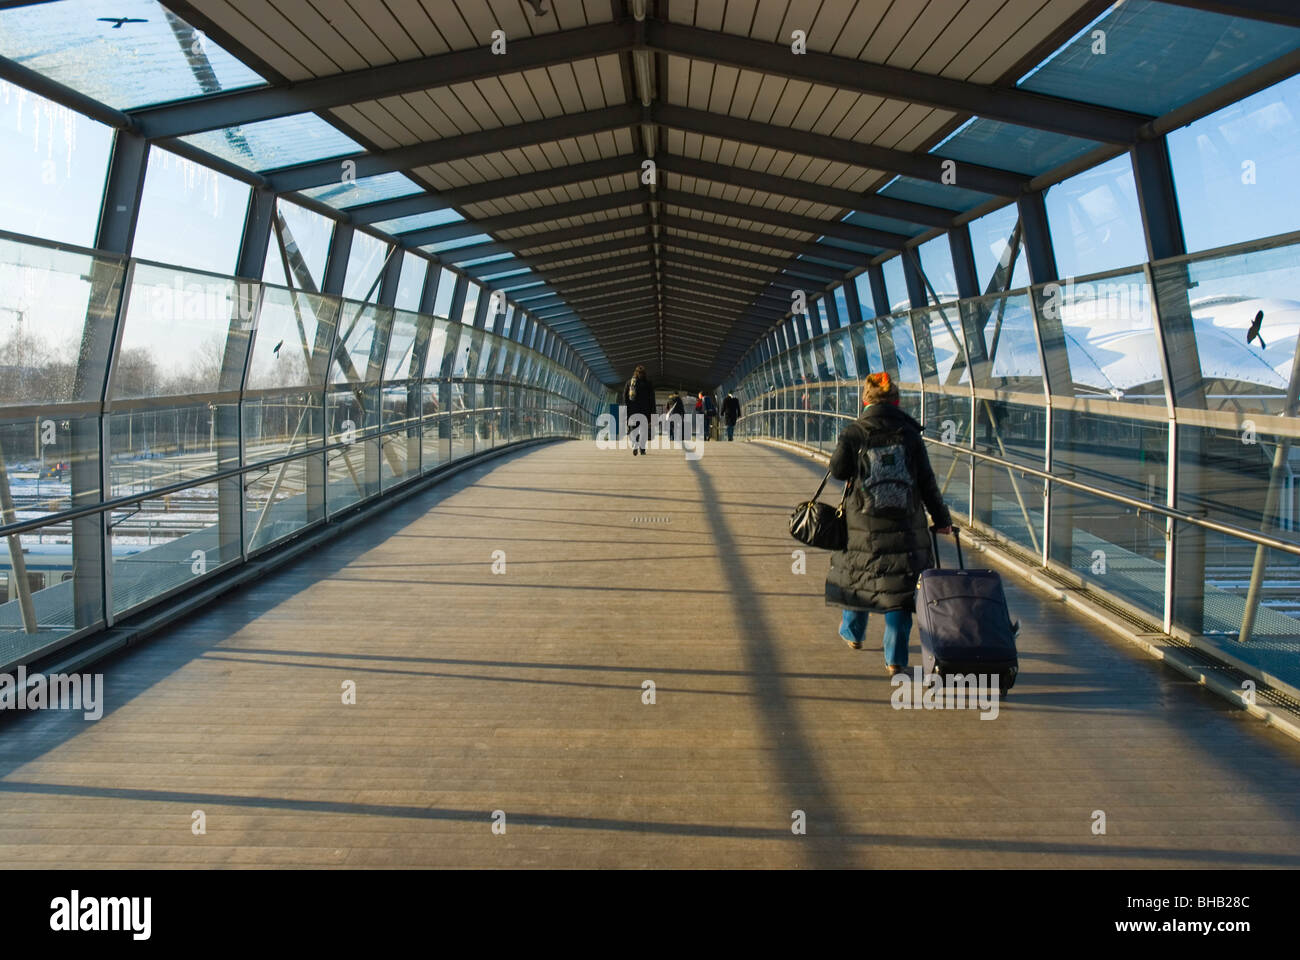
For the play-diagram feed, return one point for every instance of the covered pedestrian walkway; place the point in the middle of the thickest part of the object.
(510, 688)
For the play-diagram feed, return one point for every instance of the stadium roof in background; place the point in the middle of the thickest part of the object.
(651, 178)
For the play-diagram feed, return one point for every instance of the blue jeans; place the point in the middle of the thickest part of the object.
(731, 431)
(898, 628)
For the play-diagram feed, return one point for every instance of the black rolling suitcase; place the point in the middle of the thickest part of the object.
(964, 623)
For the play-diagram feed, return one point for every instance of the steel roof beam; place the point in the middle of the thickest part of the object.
(540, 260)
(602, 294)
(754, 294)
(1010, 105)
(740, 274)
(566, 234)
(708, 228)
(871, 203)
(373, 83)
(463, 146)
(600, 280)
(709, 320)
(681, 281)
(494, 189)
(1283, 12)
(802, 267)
(524, 218)
(560, 310)
(581, 272)
(879, 239)
(923, 166)
(729, 310)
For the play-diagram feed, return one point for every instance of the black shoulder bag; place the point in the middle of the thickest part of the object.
(819, 524)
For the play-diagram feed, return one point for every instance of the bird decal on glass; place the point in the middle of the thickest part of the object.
(1253, 332)
(118, 21)
(537, 7)
(276, 349)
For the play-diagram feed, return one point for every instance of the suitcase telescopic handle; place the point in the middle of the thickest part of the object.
(956, 538)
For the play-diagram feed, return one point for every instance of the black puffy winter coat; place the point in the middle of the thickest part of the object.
(644, 401)
(878, 570)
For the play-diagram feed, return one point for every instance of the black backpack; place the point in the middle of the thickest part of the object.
(886, 481)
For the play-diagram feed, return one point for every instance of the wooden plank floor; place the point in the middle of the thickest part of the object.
(521, 692)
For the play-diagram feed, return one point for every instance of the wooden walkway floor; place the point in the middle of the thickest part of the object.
(521, 691)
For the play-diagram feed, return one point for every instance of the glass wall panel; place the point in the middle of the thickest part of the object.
(1234, 170)
(1244, 476)
(948, 419)
(190, 215)
(39, 456)
(410, 284)
(295, 332)
(472, 292)
(1244, 368)
(1002, 330)
(846, 366)
(399, 364)
(276, 424)
(947, 344)
(61, 159)
(153, 446)
(180, 331)
(842, 306)
(991, 241)
(57, 310)
(400, 458)
(1095, 220)
(862, 283)
(1124, 455)
(1102, 334)
(436, 439)
(1110, 546)
(47, 592)
(896, 284)
(1004, 500)
(909, 367)
(441, 343)
(1272, 633)
(366, 262)
(351, 472)
(167, 543)
(866, 334)
(936, 262)
(300, 240)
(282, 501)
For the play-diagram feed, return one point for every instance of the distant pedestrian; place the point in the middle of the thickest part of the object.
(639, 398)
(674, 411)
(730, 414)
(710, 411)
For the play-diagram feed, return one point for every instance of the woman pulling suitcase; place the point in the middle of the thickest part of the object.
(893, 486)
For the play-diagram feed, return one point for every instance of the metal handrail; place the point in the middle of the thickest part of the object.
(105, 506)
(1218, 526)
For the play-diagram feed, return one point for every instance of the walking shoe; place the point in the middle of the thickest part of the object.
(855, 644)
(893, 669)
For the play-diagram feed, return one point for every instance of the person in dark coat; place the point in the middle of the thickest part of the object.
(887, 548)
(639, 398)
(730, 414)
(674, 413)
